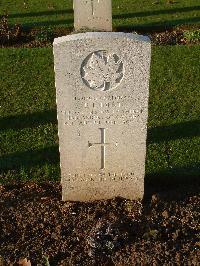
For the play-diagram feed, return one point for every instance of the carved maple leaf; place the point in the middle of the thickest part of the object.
(103, 71)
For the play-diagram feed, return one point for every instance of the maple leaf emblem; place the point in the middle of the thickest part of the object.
(102, 71)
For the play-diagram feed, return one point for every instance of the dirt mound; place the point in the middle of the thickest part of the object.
(35, 224)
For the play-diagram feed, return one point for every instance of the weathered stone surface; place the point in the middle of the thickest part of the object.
(102, 104)
(93, 15)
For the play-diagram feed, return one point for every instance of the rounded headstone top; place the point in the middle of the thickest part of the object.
(108, 35)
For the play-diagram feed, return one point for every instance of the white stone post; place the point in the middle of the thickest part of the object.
(93, 15)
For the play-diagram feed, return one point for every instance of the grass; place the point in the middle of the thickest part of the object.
(192, 35)
(28, 127)
(174, 124)
(28, 116)
(126, 13)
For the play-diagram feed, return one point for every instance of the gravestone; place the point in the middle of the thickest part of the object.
(93, 15)
(102, 92)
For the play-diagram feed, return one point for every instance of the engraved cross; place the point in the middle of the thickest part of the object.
(92, 5)
(103, 145)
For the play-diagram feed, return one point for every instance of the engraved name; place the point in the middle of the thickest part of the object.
(107, 116)
(102, 110)
(101, 177)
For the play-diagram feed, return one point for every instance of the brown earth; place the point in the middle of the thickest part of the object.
(17, 36)
(35, 224)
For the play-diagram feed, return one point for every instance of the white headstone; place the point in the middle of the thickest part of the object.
(102, 84)
(93, 15)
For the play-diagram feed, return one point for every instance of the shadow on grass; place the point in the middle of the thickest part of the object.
(170, 180)
(47, 23)
(41, 13)
(150, 26)
(28, 120)
(154, 182)
(158, 134)
(176, 175)
(118, 16)
(173, 183)
(158, 26)
(30, 158)
(156, 12)
(177, 131)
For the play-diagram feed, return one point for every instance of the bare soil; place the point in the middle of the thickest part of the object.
(18, 37)
(35, 224)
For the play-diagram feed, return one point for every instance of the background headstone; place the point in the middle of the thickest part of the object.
(93, 15)
(102, 103)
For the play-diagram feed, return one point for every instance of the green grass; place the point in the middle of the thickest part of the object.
(126, 13)
(28, 127)
(174, 112)
(28, 116)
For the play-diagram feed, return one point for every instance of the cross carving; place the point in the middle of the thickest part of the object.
(92, 4)
(103, 145)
